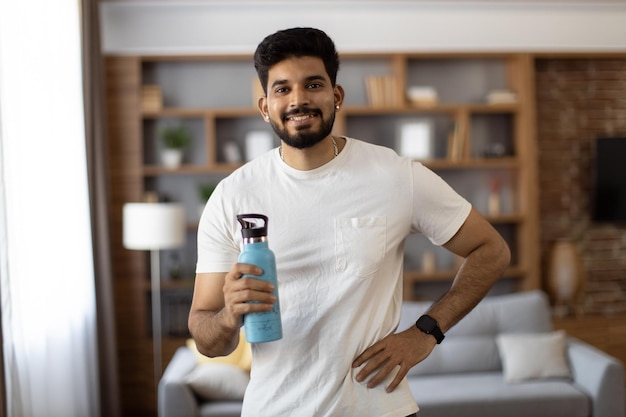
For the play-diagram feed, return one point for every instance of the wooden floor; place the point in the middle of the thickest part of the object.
(607, 333)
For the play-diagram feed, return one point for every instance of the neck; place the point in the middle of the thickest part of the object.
(313, 157)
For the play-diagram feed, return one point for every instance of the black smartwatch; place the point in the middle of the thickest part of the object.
(429, 325)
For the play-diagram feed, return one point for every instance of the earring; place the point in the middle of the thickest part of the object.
(337, 106)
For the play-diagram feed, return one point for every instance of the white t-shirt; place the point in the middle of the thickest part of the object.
(338, 234)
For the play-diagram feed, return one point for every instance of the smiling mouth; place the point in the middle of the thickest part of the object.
(301, 118)
(301, 115)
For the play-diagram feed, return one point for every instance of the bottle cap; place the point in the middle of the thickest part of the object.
(251, 228)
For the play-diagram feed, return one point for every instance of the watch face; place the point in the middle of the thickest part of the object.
(426, 324)
(429, 325)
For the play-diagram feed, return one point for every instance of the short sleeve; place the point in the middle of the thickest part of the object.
(218, 243)
(438, 210)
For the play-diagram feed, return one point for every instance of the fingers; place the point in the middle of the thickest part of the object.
(365, 356)
(402, 372)
(382, 366)
(396, 353)
(241, 284)
(244, 294)
(239, 270)
(374, 358)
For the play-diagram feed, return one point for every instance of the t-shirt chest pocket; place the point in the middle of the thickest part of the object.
(360, 244)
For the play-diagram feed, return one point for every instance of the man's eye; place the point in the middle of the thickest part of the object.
(280, 90)
(314, 85)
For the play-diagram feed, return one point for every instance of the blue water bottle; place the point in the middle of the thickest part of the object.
(264, 326)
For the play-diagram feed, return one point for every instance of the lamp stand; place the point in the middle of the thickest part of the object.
(155, 280)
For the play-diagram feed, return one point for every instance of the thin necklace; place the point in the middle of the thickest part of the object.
(335, 148)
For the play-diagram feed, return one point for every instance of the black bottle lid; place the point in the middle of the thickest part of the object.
(251, 228)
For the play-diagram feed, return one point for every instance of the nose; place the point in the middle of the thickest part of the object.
(299, 97)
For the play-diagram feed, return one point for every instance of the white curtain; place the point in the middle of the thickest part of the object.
(46, 261)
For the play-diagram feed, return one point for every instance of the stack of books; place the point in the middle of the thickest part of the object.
(422, 96)
(382, 91)
(457, 143)
(501, 97)
(151, 98)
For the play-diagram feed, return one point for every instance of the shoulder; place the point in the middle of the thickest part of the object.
(256, 170)
(367, 149)
(376, 158)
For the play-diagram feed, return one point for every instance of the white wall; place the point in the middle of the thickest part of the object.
(212, 26)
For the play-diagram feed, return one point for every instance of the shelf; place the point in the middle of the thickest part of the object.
(224, 168)
(178, 284)
(219, 168)
(412, 108)
(155, 170)
(472, 163)
(175, 112)
(409, 108)
(170, 112)
(449, 274)
(172, 284)
(214, 96)
(511, 218)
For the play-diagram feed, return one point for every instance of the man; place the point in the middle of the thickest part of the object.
(340, 210)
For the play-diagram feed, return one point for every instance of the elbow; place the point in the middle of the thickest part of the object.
(203, 350)
(503, 256)
(210, 338)
(192, 325)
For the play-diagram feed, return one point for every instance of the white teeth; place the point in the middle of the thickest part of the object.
(300, 118)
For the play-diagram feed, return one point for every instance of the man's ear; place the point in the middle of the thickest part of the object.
(339, 95)
(262, 103)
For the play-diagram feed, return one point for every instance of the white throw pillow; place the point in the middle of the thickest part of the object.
(533, 356)
(218, 381)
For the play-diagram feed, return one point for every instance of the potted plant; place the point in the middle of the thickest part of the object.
(174, 140)
(204, 192)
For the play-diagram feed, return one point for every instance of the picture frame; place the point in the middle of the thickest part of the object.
(416, 139)
(258, 142)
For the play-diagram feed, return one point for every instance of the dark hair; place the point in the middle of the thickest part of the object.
(295, 42)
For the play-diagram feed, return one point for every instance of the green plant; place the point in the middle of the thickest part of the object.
(176, 137)
(205, 191)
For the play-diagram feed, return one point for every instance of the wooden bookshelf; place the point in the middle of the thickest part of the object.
(213, 95)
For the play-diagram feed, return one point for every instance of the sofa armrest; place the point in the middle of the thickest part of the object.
(600, 375)
(175, 397)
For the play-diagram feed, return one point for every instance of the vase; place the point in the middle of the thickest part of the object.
(565, 277)
(172, 158)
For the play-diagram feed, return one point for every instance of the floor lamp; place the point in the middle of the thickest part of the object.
(153, 227)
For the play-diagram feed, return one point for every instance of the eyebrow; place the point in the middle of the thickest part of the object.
(307, 79)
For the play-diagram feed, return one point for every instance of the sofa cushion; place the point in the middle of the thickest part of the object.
(470, 346)
(221, 409)
(533, 356)
(487, 395)
(460, 354)
(218, 381)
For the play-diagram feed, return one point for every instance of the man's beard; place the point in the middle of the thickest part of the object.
(304, 139)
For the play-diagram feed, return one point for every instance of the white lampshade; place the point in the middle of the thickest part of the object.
(153, 226)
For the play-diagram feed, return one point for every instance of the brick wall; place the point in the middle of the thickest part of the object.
(577, 101)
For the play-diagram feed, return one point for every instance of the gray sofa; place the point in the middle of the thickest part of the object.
(464, 376)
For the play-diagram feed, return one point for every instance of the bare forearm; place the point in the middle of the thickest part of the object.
(212, 335)
(478, 273)
(220, 301)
